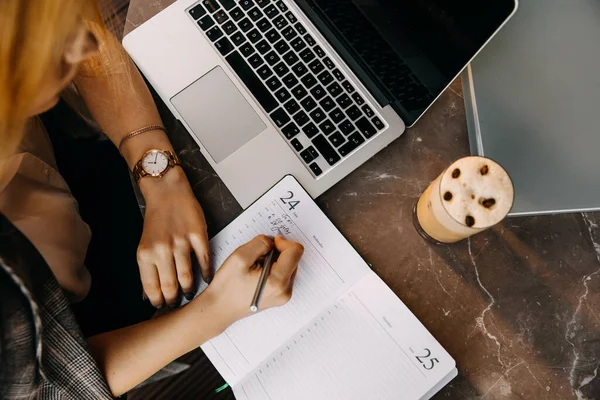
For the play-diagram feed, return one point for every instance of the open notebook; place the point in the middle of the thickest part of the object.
(344, 334)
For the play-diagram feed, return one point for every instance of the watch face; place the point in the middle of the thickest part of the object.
(155, 162)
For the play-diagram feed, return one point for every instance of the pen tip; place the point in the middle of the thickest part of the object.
(253, 308)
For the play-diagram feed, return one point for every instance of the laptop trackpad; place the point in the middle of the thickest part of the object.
(218, 114)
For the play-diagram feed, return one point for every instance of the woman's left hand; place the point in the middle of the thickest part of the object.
(174, 226)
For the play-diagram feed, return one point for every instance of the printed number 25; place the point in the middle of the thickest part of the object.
(288, 200)
(428, 363)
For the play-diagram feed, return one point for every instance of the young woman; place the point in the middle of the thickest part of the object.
(44, 46)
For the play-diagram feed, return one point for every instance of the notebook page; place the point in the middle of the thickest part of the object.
(365, 345)
(328, 268)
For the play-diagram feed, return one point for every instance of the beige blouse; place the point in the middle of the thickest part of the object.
(37, 200)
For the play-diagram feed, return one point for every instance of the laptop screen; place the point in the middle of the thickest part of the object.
(410, 49)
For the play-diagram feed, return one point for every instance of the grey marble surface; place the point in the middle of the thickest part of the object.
(517, 306)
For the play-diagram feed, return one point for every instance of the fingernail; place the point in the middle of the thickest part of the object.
(189, 296)
(159, 306)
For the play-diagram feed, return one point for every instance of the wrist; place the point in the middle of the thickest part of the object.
(173, 180)
(211, 304)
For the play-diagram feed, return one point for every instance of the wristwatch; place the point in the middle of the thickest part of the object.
(155, 163)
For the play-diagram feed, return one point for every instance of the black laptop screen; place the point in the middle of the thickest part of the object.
(412, 49)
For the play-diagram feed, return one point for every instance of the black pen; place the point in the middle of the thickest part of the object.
(262, 281)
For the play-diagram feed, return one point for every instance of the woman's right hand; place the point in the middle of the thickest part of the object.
(234, 284)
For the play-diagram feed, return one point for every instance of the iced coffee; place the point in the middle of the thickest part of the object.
(473, 194)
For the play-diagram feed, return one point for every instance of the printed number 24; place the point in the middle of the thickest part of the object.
(429, 363)
(288, 200)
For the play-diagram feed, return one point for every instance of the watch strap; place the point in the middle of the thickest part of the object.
(139, 172)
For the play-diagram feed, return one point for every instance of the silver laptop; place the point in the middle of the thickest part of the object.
(312, 88)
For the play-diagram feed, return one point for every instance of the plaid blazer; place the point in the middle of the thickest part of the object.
(43, 354)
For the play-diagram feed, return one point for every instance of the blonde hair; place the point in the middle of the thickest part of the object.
(33, 34)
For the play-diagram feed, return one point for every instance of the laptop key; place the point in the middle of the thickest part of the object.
(309, 81)
(299, 92)
(301, 30)
(263, 3)
(317, 115)
(365, 127)
(290, 130)
(283, 95)
(281, 6)
(318, 92)
(289, 33)
(314, 167)
(319, 51)
(264, 71)
(256, 61)
(227, 4)
(308, 104)
(281, 69)
(246, 4)
(378, 124)
(328, 152)
(292, 106)
(359, 100)
(271, 11)
(307, 155)
(273, 83)
(337, 115)
(325, 78)
(299, 69)
(307, 55)
(301, 118)
(220, 16)
(224, 46)
(272, 58)
(367, 110)
(255, 14)
(236, 14)
(335, 90)
(344, 101)
(263, 46)
(280, 22)
(291, 17)
(316, 66)
(298, 44)
(290, 58)
(254, 35)
(353, 113)
(328, 63)
(245, 25)
(246, 49)
(197, 12)
(337, 139)
(297, 145)
(273, 36)
(327, 127)
(280, 117)
(309, 39)
(353, 142)
(211, 5)
(229, 27)
(327, 103)
(206, 23)
(282, 47)
(214, 33)
(249, 78)
(346, 127)
(290, 80)
(264, 25)
(310, 130)
(338, 74)
(348, 86)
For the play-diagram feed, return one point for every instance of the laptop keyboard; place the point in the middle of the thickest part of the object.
(316, 108)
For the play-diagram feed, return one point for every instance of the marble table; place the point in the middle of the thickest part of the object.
(518, 306)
